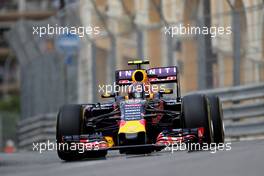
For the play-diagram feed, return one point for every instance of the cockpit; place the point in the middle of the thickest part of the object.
(136, 91)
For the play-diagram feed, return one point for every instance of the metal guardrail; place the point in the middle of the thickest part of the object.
(243, 109)
(36, 129)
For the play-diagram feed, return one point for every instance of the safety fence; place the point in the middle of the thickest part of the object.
(243, 109)
(48, 77)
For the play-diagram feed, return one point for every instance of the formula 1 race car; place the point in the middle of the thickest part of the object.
(140, 119)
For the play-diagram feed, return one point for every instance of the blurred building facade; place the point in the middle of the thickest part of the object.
(138, 30)
(131, 29)
(12, 11)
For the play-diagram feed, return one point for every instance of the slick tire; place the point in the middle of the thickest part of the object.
(217, 118)
(68, 123)
(196, 113)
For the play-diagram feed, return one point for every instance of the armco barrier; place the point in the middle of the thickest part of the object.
(36, 129)
(243, 108)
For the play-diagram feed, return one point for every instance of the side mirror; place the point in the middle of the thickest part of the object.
(108, 95)
(166, 91)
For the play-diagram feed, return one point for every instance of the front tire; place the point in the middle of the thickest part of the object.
(196, 113)
(68, 123)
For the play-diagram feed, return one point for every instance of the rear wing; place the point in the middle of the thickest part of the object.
(124, 77)
(158, 75)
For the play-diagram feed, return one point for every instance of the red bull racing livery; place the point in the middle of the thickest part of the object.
(141, 120)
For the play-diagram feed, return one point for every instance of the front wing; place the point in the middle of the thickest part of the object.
(164, 139)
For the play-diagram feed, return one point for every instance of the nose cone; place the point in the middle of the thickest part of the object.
(131, 135)
(134, 126)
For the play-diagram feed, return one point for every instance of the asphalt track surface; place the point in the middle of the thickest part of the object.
(244, 159)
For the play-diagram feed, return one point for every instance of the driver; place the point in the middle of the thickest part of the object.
(136, 91)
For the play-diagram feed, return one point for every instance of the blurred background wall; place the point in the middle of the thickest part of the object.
(36, 77)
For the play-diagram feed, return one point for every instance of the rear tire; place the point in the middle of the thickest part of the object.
(196, 113)
(217, 118)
